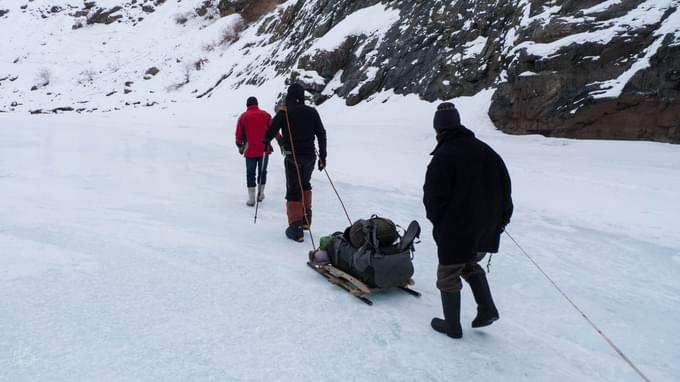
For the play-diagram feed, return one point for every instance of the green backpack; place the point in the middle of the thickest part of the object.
(377, 232)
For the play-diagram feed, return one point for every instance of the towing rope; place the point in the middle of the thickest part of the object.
(342, 204)
(597, 329)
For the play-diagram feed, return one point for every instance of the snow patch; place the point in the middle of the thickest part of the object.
(601, 7)
(334, 84)
(475, 46)
(373, 21)
(311, 76)
(527, 74)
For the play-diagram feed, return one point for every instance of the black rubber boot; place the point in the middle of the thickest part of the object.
(450, 325)
(486, 309)
(295, 232)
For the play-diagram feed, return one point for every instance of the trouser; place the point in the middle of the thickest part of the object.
(259, 165)
(448, 276)
(305, 167)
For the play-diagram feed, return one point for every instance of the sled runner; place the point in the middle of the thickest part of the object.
(353, 285)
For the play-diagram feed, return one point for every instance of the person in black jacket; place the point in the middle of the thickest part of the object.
(299, 124)
(467, 197)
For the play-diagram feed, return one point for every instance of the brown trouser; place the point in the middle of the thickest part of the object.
(448, 276)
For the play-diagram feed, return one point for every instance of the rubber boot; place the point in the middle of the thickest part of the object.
(260, 193)
(486, 309)
(307, 222)
(450, 325)
(295, 217)
(251, 197)
(295, 232)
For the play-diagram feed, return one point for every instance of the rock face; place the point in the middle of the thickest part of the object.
(619, 80)
(568, 68)
(437, 49)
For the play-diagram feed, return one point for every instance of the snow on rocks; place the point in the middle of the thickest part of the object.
(200, 46)
(372, 22)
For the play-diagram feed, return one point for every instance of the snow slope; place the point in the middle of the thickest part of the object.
(127, 253)
(102, 67)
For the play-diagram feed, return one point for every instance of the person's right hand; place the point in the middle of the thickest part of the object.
(322, 164)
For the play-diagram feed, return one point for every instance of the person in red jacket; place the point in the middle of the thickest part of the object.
(250, 130)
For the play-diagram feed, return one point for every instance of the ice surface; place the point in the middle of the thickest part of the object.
(127, 253)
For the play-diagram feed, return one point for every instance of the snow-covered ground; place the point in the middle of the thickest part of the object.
(127, 253)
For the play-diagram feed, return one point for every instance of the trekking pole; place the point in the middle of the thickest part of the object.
(297, 169)
(259, 183)
(597, 329)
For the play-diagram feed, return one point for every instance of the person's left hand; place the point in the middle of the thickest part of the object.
(322, 164)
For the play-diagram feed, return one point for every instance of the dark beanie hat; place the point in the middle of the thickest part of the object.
(446, 117)
(296, 92)
(251, 101)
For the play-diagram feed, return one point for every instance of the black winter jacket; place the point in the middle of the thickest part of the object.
(467, 196)
(305, 124)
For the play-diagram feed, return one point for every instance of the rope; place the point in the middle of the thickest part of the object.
(597, 329)
(338, 195)
(297, 169)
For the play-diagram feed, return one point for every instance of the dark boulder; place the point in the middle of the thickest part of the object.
(104, 16)
(152, 71)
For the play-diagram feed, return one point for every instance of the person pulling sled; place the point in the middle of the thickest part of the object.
(467, 197)
(300, 125)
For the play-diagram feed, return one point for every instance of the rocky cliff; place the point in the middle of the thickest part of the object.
(567, 68)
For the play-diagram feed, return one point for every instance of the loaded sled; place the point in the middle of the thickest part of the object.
(369, 257)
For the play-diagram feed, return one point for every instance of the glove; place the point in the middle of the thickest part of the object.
(241, 148)
(322, 164)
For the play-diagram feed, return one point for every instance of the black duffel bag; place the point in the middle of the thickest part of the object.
(376, 263)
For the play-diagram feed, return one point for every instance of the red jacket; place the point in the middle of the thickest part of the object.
(250, 130)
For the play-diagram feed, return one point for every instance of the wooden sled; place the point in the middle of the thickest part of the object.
(354, 286)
